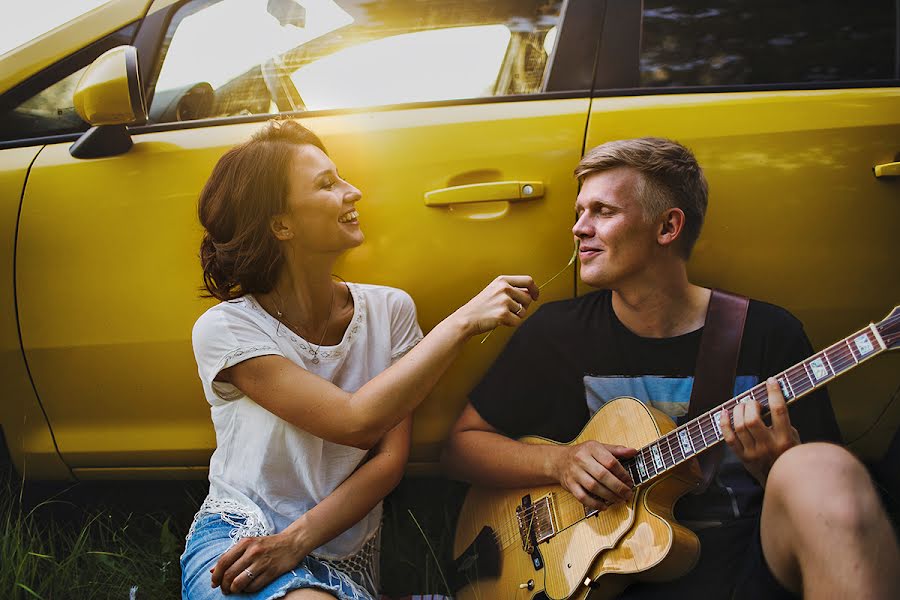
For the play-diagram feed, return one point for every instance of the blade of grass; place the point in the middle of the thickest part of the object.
(29, 590)
(430, 549)
(540, 287)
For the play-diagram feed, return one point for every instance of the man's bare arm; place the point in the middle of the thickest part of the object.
(478, 453)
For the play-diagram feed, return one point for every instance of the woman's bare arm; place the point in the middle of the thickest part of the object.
(362, 418)
(269, 556)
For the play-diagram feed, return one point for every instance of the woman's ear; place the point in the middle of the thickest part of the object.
(671, 224)
(280, 228)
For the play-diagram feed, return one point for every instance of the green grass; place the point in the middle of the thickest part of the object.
(92, 541)
(100, 539)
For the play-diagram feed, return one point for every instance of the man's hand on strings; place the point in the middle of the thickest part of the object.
(591, 472)
(758, 445)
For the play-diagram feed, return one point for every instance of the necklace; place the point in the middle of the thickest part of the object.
(292, 326)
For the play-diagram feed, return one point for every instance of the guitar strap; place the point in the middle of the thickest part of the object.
(716, 368)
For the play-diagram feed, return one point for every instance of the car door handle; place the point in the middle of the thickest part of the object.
(891, 169)
(512, 191)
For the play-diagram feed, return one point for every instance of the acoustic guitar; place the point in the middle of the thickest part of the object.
(515, 543)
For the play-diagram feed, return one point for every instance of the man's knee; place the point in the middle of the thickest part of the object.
(823, 482)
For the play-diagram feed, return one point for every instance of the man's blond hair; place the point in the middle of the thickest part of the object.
(670, 178)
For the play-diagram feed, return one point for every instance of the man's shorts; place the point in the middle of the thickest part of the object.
(731, 567)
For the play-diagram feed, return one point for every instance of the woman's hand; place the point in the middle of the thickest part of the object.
(254, 562)
(503, 302)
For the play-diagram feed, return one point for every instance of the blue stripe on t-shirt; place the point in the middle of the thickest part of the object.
(671, 395)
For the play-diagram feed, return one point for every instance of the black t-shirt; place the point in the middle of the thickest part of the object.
(571, 357)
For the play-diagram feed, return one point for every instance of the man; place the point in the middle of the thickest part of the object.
(780, 517)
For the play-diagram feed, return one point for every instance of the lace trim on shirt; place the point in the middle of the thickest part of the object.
(402, 352)
(242, 351)
(363, 566)
(359, 319)
(245, 521)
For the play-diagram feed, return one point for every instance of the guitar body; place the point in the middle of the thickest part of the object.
(638, 540)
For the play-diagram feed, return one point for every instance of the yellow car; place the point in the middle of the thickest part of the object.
(461, 121)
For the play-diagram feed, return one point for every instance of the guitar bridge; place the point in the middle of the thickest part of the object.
(536, 520)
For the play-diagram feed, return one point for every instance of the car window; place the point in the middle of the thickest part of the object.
(225, 58)
(43, 105)
(736, 42)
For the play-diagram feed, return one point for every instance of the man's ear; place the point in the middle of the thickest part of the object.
(671, 224)
(280, 228)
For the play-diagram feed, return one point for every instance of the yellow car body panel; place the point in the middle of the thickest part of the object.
(109, 277)
(796, 216)
(27, 433)
(22, 62)
(98, 305)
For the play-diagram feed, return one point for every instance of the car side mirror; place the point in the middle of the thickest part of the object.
(109, 97)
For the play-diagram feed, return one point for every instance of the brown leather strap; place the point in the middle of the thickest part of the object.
(714, 373)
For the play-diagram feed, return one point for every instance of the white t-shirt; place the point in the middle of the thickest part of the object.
(264, 469)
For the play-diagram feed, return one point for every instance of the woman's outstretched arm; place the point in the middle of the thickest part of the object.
(362, 418)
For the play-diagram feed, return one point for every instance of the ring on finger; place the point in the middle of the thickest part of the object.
(518, 310)
(249, 573)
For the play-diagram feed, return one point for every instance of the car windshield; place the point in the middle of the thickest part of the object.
(235, 20)
(25, 21)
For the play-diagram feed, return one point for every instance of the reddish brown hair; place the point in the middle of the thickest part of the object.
(248, 186)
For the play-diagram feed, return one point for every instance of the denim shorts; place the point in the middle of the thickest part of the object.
(211, 537)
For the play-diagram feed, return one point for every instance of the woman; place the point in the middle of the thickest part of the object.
(311, 382)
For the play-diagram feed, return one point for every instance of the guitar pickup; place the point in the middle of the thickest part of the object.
(536, 520)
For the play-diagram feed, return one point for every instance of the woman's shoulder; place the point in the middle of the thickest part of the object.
(238, 312)
(383, 294)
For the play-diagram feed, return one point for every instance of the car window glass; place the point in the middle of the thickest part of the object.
(43, 104)
(242, 57)
(51, 111)
(735, 42)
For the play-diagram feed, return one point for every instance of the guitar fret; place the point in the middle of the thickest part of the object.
(786, 391)
(632, 470)
(687, 445)
(852, 355)
(716, 416)
(639, 460)
(828, 360)
(808, 374)
(864, 344)
(657, 457)
(820, 369)
(665, 439)
(702, 437)
(676, 448)
(797, 382)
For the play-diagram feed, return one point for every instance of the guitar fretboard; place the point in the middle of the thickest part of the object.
(703, 432)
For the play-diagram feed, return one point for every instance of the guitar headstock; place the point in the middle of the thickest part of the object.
(889, 328)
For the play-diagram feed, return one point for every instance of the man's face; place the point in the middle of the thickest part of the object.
(617, 243)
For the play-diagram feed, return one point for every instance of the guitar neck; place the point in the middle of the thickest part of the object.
(700, 434)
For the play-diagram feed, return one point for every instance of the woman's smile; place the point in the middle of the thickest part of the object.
(351, 216)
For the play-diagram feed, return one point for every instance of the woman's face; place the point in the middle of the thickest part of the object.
(321, 207)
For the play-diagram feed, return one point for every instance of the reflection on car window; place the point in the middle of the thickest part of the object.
(734, 42)
(242, 57)
(48, 112)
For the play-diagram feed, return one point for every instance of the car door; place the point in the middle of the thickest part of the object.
(788, 111)
(410, 98)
